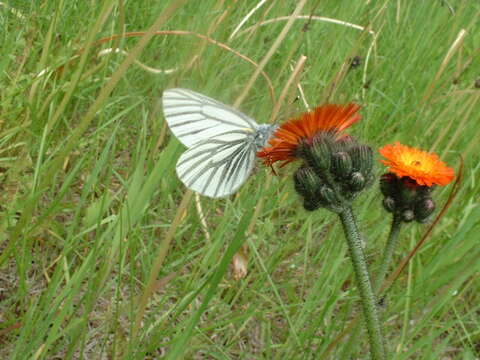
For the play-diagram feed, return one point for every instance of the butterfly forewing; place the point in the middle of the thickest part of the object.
(194, 117)
(218, 166)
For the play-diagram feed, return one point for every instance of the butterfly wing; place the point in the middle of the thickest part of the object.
(218, 166)
(194, 117)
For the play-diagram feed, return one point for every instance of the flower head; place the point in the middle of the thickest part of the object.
(423, 167)
(288, 137)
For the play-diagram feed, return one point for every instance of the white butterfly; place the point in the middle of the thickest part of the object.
(222, 142)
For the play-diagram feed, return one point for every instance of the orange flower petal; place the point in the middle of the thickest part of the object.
(423, 167)
(327, 118)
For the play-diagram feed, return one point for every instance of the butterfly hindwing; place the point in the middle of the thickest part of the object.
(218, 166)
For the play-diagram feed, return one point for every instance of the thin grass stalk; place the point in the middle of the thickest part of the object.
(293, 79)
(157, 265)
(271, 51)
(389, 250)
(45, 52)
(408, 304)
(456, 45)
(309, 18)
(180, 342)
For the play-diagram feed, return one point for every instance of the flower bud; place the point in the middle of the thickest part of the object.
(389, 204)
(307, 183)
(357, 181)
(408, 215)
(408, 195)
(328, 196)
(319, 153)
(388, 184)
(407, 190)
(362, 158)
(424, 191)
(303, 149)
(423, 209)
(345, 143)
(341, 164)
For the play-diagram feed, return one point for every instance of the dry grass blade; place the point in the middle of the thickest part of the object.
(201, 216)
(470, 108)
(371, 48)
(302, 94)
(456, 45)
(308, 18)
(141, 65)
(293, 79)
(240, 263)
(245, 19)
(271, 51)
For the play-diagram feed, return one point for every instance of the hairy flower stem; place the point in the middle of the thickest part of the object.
(364, 284)
(389, 250)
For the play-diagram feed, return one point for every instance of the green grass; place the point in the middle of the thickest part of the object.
(88, 190)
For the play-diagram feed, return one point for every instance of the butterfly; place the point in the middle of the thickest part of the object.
(221, 142)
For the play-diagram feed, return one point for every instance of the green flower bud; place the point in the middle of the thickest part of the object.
(302, 149)
(362, 158)
(328, 196)
(408, 215)
(357, 181)
(341, 164)
(307, 183)
(407, 191)
(388, 184)
(344, 144)
(423, 209)
(389, 204)
(328, 199)
(424, 191)
(319, 153)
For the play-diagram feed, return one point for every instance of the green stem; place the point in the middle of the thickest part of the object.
(364, 284)
(389, 250)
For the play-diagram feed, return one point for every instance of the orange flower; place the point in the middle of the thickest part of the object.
(423, 167)
(327, 118)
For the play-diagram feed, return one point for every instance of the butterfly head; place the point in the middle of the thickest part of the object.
(263, 134)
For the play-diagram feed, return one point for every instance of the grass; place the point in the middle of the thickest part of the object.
(90, 202)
